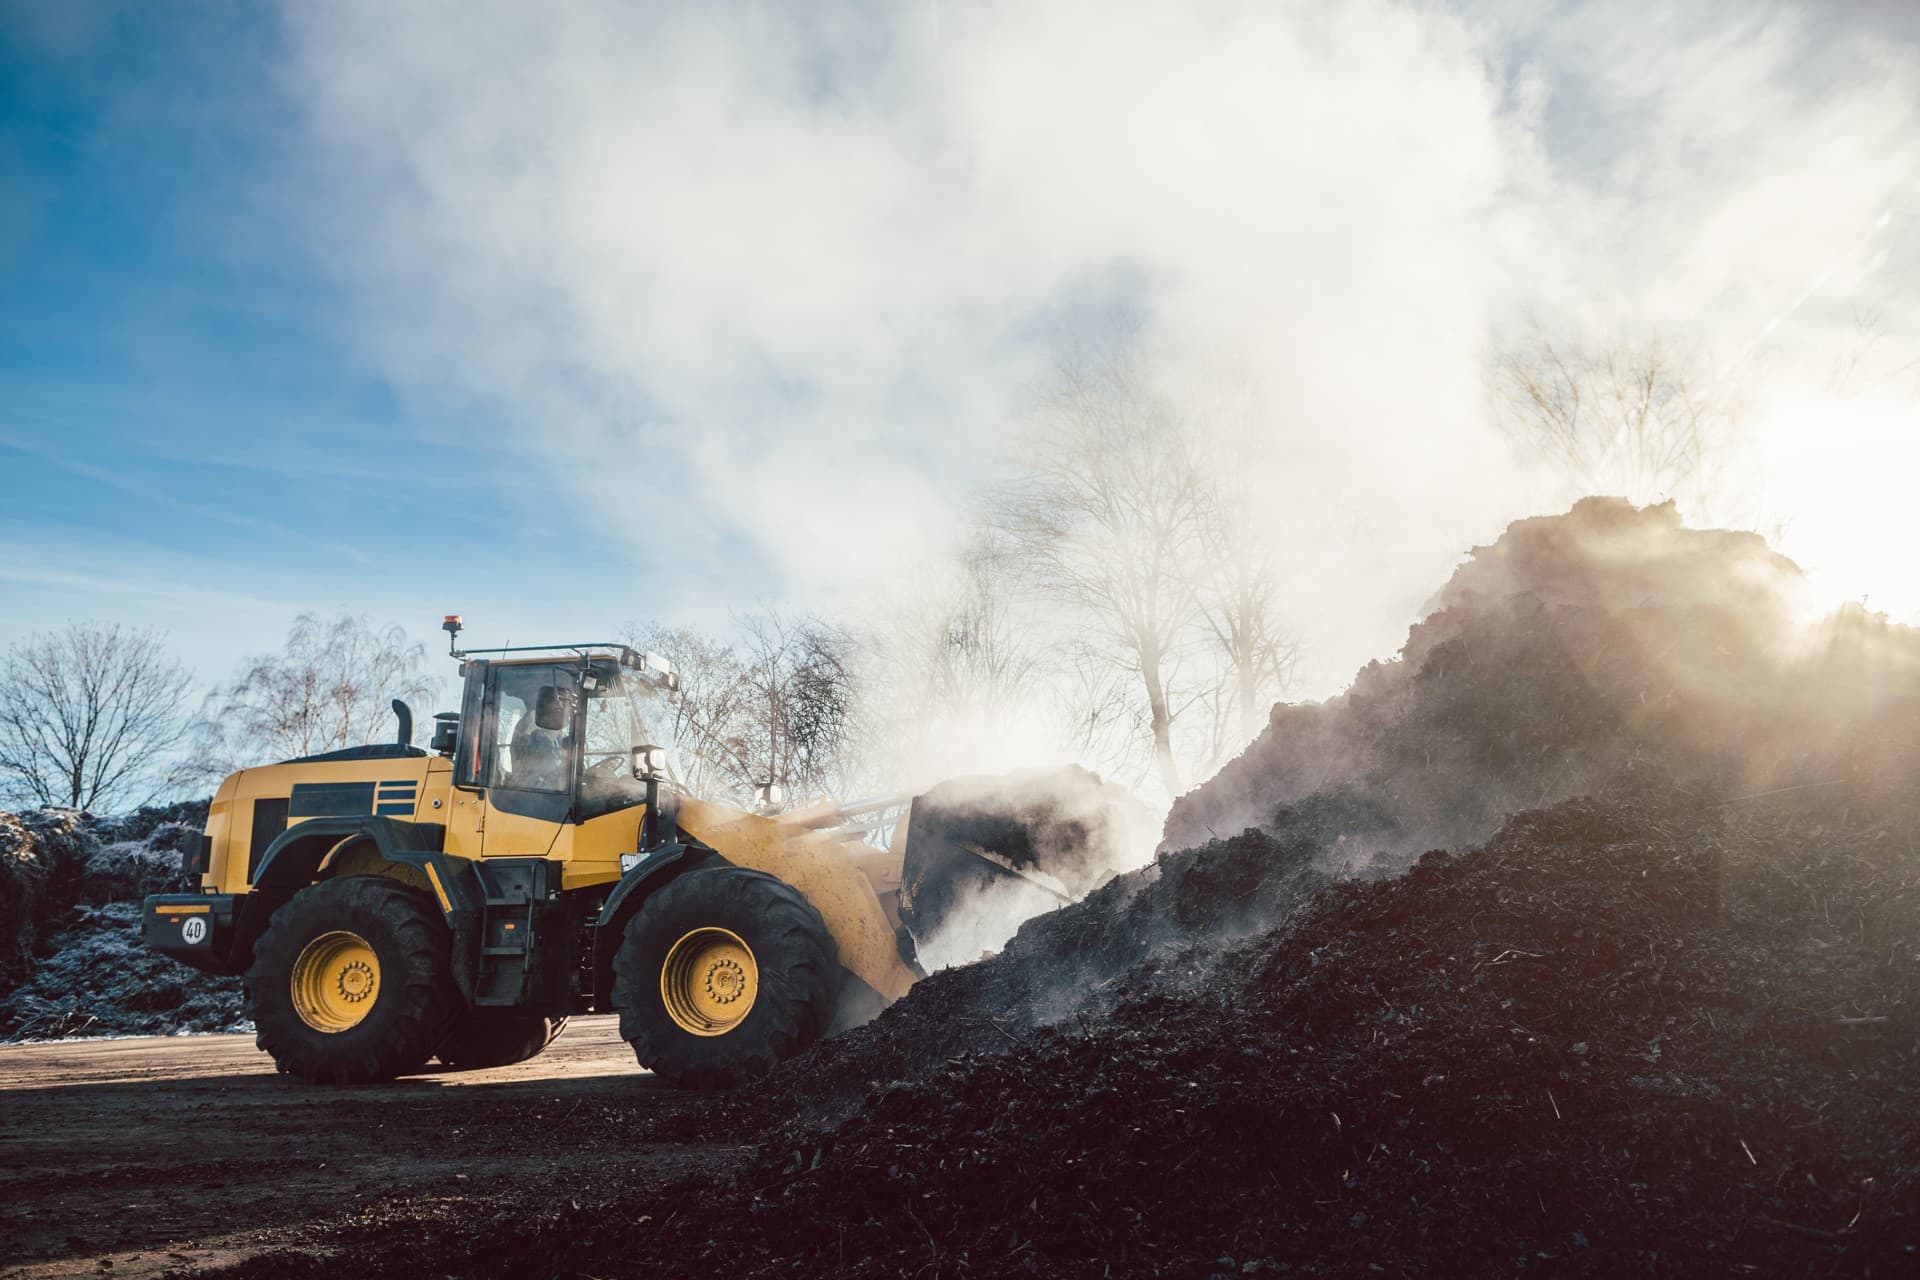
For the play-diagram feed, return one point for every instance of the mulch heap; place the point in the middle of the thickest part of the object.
(1662, 1020)
(1628, 1036)
(1571, 651)
(41, 856)
(1620, 1039)
(72, 961)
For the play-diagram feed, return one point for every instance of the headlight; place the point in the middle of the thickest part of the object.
(648, 760)
(769, 795)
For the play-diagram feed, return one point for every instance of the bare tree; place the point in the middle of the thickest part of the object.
(1239, 605)
(778, 706)
(1105, 509)
(88, 717)
(706, 715)
(972, 650)
(1622, 418)
(800, 728)
(1098, 701)
(329, 687)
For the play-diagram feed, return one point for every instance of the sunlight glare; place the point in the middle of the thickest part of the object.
(1839, 476)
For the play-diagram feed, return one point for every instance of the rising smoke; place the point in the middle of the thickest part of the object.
(987, 853)
(1607, 650)
(804, 269)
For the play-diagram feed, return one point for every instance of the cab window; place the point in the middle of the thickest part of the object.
(532, 722)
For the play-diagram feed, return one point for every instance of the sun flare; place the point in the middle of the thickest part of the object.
(1835, 479)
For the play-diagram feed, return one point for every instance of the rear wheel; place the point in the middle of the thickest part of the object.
(350, 982)
(497, 1038)
(721, 975)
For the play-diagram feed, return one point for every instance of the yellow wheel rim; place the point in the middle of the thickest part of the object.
(709, 982)
(335, 981)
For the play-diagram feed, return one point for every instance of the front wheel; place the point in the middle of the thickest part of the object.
(721, 975)
(350, 982)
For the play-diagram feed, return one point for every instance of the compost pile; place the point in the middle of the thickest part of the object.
(1619, 1039)
(1658, 1014)
(71, 959)
(1574, 650)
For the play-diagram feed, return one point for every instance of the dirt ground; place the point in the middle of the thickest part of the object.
(135, 1156)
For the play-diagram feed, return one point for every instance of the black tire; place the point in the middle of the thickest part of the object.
(793, 997)
(497, 1038)
(414, 1002)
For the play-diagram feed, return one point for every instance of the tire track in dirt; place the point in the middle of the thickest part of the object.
(159, 1153)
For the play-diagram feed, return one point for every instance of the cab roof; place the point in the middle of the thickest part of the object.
(625, 655)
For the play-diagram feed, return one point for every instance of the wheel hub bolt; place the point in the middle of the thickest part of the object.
(726, 981)
(356, 981)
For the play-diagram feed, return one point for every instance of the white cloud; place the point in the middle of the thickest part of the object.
(787, 275)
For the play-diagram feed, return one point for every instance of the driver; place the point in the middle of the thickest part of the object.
(539, 758)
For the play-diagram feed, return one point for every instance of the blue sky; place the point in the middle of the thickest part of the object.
(568, 316)
(190, 437)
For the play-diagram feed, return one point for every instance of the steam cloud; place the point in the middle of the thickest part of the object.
(802, 268)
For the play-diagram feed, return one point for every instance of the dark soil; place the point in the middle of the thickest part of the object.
(1057, 966)
(126, 1157)
(1623, 1038)
(1664, 1019)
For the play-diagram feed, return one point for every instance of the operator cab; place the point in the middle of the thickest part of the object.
(563, 738)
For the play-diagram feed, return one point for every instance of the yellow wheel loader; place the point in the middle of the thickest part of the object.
(389, 904)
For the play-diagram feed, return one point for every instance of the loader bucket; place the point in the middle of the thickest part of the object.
(1060, 832)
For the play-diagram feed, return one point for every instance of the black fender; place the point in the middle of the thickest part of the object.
(293, 861)
(655, 868)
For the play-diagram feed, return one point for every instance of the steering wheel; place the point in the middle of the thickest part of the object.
(608, 765)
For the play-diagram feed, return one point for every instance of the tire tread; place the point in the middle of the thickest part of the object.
(419, 972)
(800, 988)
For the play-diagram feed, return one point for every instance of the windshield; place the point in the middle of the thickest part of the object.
(623, 711)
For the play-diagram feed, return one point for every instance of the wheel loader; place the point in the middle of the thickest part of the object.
(389, 904)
